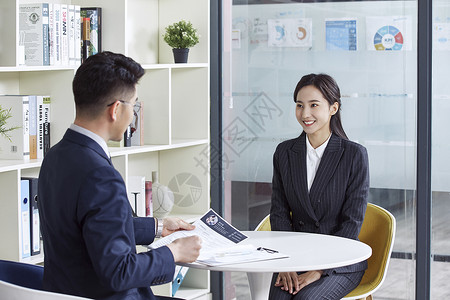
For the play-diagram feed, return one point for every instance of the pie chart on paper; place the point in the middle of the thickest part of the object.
(388, 38)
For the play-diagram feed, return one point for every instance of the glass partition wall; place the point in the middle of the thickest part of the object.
(440, 243)
(370, 48)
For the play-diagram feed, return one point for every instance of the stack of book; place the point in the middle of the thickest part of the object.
(51, 33)
(30, 115)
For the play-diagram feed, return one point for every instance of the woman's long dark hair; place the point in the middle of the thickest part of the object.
(330, 91)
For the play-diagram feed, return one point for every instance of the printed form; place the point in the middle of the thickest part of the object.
(220, 242)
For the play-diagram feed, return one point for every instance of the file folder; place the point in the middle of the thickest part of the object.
(25, 218)
(35, 233)
(178, 278)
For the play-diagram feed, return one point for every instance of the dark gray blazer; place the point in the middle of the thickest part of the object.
(337, 200)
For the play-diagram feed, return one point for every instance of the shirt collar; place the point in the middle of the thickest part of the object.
(319, 150)
(91, 135)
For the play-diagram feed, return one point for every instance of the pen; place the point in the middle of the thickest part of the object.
(267, 250)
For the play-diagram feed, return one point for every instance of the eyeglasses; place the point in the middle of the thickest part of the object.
(136, 106)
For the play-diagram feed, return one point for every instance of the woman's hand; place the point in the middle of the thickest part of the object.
(293, 283)
(307, 278)
(288, 281)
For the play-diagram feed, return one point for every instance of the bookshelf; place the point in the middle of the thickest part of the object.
(176, 109)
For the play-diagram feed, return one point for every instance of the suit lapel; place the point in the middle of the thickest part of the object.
(297, 163)
(327, 167)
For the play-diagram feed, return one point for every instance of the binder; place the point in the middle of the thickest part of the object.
(178, 278)
(25, 218)
(35, 232)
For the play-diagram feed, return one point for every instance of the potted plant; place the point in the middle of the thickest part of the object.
(181, 36)
(5, 114)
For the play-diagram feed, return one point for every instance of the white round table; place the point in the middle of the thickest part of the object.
(306, 252)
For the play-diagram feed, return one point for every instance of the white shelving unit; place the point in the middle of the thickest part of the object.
(176, 110)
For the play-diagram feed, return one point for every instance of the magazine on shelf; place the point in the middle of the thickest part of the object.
(221, 242)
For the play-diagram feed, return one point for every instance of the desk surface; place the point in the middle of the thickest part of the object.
(306, 252)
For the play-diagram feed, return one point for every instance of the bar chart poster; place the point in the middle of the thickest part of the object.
(341, 34)
(389, 33)
(289, 32)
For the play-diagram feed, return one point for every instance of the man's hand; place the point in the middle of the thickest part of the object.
(170, 225)
(186, 249)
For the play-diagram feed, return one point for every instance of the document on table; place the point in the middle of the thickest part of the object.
(220, 242)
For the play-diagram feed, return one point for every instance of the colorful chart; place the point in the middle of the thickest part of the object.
(388, 38)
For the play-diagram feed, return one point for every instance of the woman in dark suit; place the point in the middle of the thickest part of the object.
(320, 185)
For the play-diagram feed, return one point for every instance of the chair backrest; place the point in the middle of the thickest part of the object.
(26, 275)
(377, 231)
(264, 225)
(15, 292)
(24, 281)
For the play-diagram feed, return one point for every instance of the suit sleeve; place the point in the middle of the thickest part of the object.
(105, 220)
(280, 217)
(357, 192)
(144, 230)
(354, 208)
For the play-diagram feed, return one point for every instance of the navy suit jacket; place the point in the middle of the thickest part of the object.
(337, 200)
(89, 233)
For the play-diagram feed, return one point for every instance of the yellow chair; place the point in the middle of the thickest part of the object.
(377, 231)
(264, 225)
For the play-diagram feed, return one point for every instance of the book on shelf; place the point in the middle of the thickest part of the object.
(46, 123)
(35, 234)
(94, 14)
(43, 125)
(18, 146)
(34, 28)
(77, 37)
(137, 125)
(86, 42)
(71, 33)
(64, 34)
(148, 199)
(56, 33)
(51, 34)
(32, 99)
(24, 225)
(136, 195)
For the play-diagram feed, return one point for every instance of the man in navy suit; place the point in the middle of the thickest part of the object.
(89, 233)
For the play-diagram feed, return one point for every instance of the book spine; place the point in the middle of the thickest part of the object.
(51, 33)
(71, 31)
(64, 34)
(26, 128)
(148, 199)
(46, 125)
(45, 39)
(33, 126)
(57, 32)
(40, 127)
(86, 39)
(77, 35)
